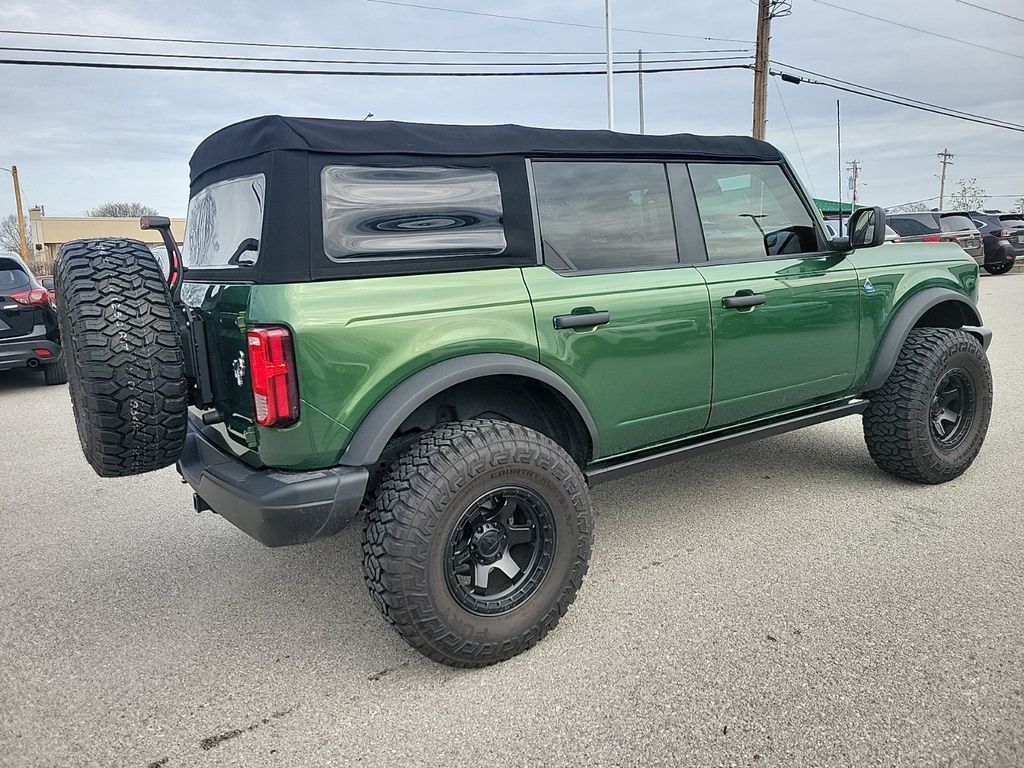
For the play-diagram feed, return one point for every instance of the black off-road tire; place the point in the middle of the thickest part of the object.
(419, 503)
(55, 373)
(125, 365)
(999, 267)
(898, 423)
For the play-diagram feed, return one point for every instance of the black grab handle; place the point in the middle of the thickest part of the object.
(587, 320)
(743, 300)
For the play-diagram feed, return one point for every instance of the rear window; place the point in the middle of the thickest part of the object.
(956, 222)
(432, 211)
(13, 277)
(225, 223)
(1012, 221)
(910, 226)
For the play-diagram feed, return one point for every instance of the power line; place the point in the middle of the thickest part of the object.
(990, 10)
(356, 61)
(904, 103)
(796, 141)
(552, 21)
(909, 100)
(315, 47)
(353, 73)
(975, 46)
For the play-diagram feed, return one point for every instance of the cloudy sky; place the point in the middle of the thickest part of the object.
(81, 137)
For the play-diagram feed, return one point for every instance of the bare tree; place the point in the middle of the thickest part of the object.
(121, 209)
(969, 196)
(1018, 207)
(9, 234)
(909, 208)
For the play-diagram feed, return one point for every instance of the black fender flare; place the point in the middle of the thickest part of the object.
(372, 434)
(906, 317)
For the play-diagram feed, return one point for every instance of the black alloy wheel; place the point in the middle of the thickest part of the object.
(952, 409)
(500, 550)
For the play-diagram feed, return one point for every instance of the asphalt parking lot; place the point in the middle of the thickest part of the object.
(782, 603)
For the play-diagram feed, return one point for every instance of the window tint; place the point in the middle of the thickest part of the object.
(910, 226)
(13, 277)
(596, 216)
(956, 222)
(411, 211)
(225, 223)
(750, 211)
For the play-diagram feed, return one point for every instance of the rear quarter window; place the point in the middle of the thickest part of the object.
(410, 211)
(956, 223)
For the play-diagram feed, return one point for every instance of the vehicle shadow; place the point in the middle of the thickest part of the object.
(20, 379)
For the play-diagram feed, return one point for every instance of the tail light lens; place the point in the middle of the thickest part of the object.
(275, 387)
(1004, 233)
(34, 297)
(932, 239)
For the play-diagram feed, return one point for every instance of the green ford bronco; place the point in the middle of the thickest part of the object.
(459, 330)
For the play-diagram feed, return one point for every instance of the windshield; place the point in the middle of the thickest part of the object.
(956, 222)
(225, 223)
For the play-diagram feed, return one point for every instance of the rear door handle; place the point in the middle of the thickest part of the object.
(741, 300)
(588, 320)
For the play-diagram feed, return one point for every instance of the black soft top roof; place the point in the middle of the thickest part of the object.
(356, 137)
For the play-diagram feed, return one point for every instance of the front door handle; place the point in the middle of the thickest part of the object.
(586, 320)
(742, 300)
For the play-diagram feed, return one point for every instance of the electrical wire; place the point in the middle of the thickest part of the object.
(360, 61)
(976, 46)
(315, 47)
(552, 21)
(908, 101)
(989, 10)
(796, 141)
(909, 105)
(355, 73)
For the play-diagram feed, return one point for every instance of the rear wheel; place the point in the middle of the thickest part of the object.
(477, 541)
(123, 354)
(929, 419)
(999, 267)
(55, 373)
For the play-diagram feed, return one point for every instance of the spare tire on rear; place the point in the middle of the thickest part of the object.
(122, 349)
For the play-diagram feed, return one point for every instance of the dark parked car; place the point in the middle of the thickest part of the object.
(939, 227)
(28, 324)
(1003, 237)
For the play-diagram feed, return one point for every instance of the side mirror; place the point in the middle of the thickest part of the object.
(867, 227)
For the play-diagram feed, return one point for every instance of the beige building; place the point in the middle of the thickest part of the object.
(49, 233)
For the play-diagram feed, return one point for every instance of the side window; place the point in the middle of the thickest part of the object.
(750, 211)
(377, 212)
(604, 216)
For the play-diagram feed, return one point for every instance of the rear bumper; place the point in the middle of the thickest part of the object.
(1006, 251)
(21, 353)
(276, 508)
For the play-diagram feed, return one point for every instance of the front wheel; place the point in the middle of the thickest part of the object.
(929, 419)
(999, 267)
(477, 541)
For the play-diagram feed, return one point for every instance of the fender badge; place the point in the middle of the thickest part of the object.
(868, 287)
(238, 366)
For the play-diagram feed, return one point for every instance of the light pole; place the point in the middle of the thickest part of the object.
(22, 242)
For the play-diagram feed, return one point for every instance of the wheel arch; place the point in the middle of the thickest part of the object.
(385, 419)
(930, 308)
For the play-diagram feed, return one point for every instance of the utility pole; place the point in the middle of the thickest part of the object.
(22, 242)
(854, 166)
(766, 11)
(640, 85)
(946, 159)
(608, 58)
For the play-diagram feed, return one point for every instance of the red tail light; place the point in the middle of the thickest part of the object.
(275, 387)
(932, 239)
(1004, 233)
(35, 297)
